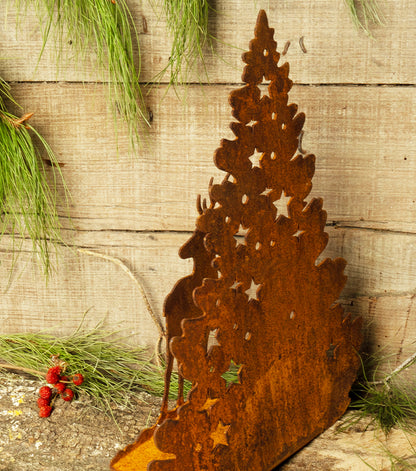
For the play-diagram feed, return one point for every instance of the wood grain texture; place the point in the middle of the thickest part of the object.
(354, 450)
(365, 167)
(381, 284)
(363, 136)
(336, 51)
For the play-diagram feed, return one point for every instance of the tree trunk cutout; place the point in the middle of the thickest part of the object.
(271, 308)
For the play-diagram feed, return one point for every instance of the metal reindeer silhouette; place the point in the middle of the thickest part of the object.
(259, 302)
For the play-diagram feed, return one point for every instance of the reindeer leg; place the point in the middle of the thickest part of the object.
(180, 399)
(168, 374)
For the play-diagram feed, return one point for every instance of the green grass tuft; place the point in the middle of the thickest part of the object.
(187, 21)
(365, 13)
(389, 405)
(113, 371)
(389, 402)
(108, 28)
(27, 202)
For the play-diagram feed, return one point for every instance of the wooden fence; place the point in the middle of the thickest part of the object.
(359, 97)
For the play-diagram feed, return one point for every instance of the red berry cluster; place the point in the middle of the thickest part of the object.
(60, 382)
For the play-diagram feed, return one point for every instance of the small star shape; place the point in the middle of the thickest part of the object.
(282, 205)
(240, 236)
(252, 291)
(209, 403)
(235, 285)
(219, 436)
(264, 90)
(231, 376)
(255, 159)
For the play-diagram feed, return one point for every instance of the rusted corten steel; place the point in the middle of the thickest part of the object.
(295, 348)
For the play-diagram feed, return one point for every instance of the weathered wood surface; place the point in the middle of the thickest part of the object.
(336, 53)
(381, 279)
(365, 168)
(358, 449)
(142, 208)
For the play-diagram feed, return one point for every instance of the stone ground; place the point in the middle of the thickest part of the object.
(79, 437)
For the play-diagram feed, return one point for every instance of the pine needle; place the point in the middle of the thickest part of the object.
(113, 371)
(187, 21)
(388, 403)
(365, 13)
(27, 203)
(107, 27)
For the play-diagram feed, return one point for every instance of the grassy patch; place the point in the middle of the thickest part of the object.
(113, 371)
(389, 402)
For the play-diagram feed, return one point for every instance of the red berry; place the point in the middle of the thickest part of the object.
(52, 376)
(55, 369)
(45, 392)
(64, 379)
(42, 402)
(60, 387)
(68, 395)
(78, 379)
(45, 411)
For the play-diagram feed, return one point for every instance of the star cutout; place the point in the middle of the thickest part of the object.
(264, 90)
(235, 285)
(219, 436)
(212, 338)
(282, 205)
(255, 159)
(266, 192)
(209, 403)
(298, 233)
(252, 291)
(231, 376)
(240, 236)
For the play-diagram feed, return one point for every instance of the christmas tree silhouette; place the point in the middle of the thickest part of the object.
(257, 300)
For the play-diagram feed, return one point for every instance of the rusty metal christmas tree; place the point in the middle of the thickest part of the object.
(268, 306)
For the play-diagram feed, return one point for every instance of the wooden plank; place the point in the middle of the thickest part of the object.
(361, 448)
(363, 140)
(336, 51)
(381, 284)
(390, 328)
(82, 282)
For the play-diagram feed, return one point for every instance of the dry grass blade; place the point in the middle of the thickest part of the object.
(397, 463)
(27, 202)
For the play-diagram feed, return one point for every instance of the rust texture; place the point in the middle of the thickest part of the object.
(257, 300)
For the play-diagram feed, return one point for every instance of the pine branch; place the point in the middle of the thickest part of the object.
(113, 371)
(389, 402)
(403, 366)
(27, 202)
(8, 366)
(106, 26)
